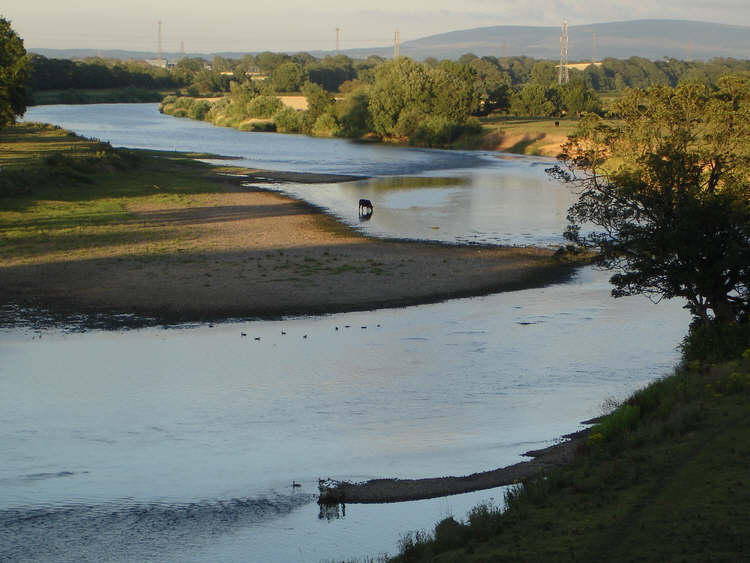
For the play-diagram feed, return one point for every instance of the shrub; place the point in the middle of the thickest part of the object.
(264, 106)
(449, 534)
(183, 103)
(714, 342)
(199, 110)
(408, 122)
(435, 131)
(325, 126)
(258, 126)
(484, 520)
(288, 120)
(412, 544)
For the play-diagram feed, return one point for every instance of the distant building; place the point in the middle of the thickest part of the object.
(161, 63)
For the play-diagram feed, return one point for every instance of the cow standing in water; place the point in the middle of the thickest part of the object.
(365, 208)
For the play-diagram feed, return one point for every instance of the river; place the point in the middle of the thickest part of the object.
(181, 444)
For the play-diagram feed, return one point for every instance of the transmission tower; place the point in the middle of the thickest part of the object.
(338, 39)
(563, 76)
(158, 53)
(396, 45)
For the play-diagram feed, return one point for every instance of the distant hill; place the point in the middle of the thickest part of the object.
(651, 39)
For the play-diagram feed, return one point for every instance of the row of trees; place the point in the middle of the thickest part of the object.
(430, 105)
(515, 85)
(64, 74)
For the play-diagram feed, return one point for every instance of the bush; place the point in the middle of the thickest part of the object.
(183, 103)
(715, 343)
(325, 126)
(288, 120)
(199, 110)
(264, 106)
(408, 122)
(435, 131)
(449, 534)
(258, 126)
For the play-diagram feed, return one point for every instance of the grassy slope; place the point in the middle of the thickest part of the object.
(666, 477)
(96, 96)
(526, 135)
(61, 194)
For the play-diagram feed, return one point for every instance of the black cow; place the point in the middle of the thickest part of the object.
(365, 207)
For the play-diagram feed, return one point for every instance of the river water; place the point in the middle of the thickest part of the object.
(181, 444)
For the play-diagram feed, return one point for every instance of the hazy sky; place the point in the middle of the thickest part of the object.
(304, 25)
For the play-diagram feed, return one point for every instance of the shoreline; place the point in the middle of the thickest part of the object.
(239, 252)
(381, 491)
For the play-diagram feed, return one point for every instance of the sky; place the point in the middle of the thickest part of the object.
(302, 25)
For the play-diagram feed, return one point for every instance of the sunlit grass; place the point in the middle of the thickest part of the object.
(65, 197)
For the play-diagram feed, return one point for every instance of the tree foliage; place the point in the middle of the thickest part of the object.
(406, 92)
(288, 77)
(13, 74)
(667, 194)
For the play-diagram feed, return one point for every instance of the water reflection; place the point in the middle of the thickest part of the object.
(332, 511)
(514, 204)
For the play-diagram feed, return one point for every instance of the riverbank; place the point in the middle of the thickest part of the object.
(535, 136)
(140, 237)
(399, 490)
(661, 478)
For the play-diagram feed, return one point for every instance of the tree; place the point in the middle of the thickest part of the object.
(14, 70)
(667, 194)
(454, 92)
(533, 100)
(577, 97)
(401, 86)
(319, 101)
(288, 77)
(544, 73)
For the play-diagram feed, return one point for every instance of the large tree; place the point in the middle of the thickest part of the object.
(14, 70)
(664, 195)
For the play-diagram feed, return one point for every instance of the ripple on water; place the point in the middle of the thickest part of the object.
(127, 530)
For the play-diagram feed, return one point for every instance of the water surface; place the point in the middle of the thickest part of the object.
(181, 444)
(205, 427)
(450, 196)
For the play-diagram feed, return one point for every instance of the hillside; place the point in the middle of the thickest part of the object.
(652, 39)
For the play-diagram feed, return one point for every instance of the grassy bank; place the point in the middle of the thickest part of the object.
(526, 135)
(519, 135)
(63, 195)
(662, 478)
(96, 96)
